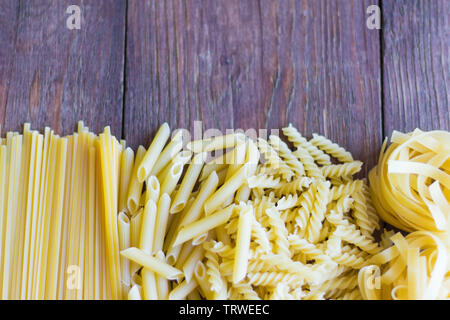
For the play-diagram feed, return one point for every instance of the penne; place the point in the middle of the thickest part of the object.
(202, 226)
(188, 183)
(242, 244)
(147, 261)
(169, 152)
(227, 189)
(135, 187)
(216, 143)
(150, 157)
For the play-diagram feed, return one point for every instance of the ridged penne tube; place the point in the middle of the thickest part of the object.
(195, 209)
(217, 164)
(162, 284)
(191, 262)
(124, 243)
(182, 157)
(188, 183)
(252, 157)
(216, 143)
(186, 250)
(153, 189)
(147, 232)
(162, 215)
(169, 152)
(126, 169)
(170, 181)
(200, 277)
(135, 187)
(147, 261)
(149, 286)
(150, 157)
(227, 189)
(134, 293)
(243, 243)
(135, 229)
(202, 226)
(181, 291)
(173, 254)
(237, 162)
(210, 168)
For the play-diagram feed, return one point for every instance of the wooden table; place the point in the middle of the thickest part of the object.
(230, 64)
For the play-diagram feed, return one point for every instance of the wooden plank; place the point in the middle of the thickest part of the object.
(254, 64)
(416, 80)
(56, 76)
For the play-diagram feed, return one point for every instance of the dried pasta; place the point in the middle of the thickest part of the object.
(92, 220)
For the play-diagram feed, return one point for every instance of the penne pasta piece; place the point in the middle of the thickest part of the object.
(149, 286)
(126, 169)
(135, 187)
(147, 232)
(204, 225)
(195, 209)
(169, 152)
(162, 284)
(188, 183)
(150, 157)
(147, 261)
(242, 244)
(170, 181)
(216, 143)
(124, 243)
(200, 277)
(181, 291)
(153, 189)
(191, 262)
(227, 189)
(162, 214)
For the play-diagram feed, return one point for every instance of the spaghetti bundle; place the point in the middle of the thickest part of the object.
(58, 215)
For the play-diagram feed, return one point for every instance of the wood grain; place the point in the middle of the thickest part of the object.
(416, 65)
(254, 64)
(50, 75)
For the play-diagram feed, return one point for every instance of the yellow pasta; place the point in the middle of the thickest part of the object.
(161, 219)
(216, 143)
(242, 244)
(181, 291)
(124, 243)
(188, 183)
(168, 153)
(199, 227)
(151, 263)
(150, 157)
(135, 187)
(402, 184)
(227, 189)
(260, 221)
(126, 169)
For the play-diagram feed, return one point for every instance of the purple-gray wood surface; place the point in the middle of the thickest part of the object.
(230, 64)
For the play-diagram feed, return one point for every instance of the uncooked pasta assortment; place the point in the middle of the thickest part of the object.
(228, 217)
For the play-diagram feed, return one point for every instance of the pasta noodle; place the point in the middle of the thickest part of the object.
(150, 157)
(83, 217)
